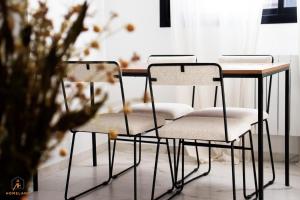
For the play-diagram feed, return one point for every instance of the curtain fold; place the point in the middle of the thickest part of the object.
(211, 28)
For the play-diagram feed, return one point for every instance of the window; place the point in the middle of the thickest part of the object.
(279, 11)
(275, 11)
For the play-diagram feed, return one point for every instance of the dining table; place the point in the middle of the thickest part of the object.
(257, 71)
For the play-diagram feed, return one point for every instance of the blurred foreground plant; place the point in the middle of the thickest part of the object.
(30, 115)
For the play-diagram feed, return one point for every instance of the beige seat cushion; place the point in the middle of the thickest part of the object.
(168, 111)
(204, 128)
(115, 121)
(240, 113)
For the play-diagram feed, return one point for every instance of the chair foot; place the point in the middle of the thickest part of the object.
(195, 170)
(114, 176)
(171, 191)
(269, 183)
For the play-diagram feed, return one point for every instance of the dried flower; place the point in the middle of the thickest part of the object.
(86, 52)
(110, 77)
(129, 27)
(135, 57)
(72, 79)
(63, 152)
(97, 29)
(127, 108)
(95, 44)
(146, 98)
(84, 29)
(123, 63)
(76, 9)
(100, 67)
(79, 87)
(32, 49)
(98, 91)
(59, 135)
(113, 15)
(113, 134)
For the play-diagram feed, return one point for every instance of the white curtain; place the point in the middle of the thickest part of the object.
(211, 28)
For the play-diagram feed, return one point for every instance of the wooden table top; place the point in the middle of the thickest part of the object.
(229, 69)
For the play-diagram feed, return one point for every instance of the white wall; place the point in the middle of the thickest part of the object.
(278, 39)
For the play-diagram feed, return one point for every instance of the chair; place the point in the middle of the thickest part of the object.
(193, 127)
(131, 125)
(170, 111)
(245, 113)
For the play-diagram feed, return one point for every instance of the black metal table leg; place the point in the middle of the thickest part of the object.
(287, 126)
(260, 140)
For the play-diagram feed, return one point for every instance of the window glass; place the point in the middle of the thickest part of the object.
(290, 3)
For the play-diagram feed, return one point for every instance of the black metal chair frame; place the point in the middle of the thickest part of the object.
(270, 182)
(178, 185)
(111, 155)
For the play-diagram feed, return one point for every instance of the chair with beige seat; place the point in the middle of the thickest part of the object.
(131, 125)
(248, 114)
(194, 129)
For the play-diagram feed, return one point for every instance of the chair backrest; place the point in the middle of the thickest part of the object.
(194, 74)
(185, 74)
(175, 58)
(171, 59)
(249, 59)
(91, 72)
(246, 59)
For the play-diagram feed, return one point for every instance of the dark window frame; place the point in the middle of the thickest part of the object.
(279, 15)
(165, 13)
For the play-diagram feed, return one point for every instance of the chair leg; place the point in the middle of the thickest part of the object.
(170, 164)
(69, 171)
(94, 149)
(233, 171)
(69, 166)
(134, 170)
(129, 168)
(198, 163)
(271, 155)
(204, 173)
(180, 188)
(253, 163)
(113, 157)
(244, 168)
(155, 169)
(271, 160)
